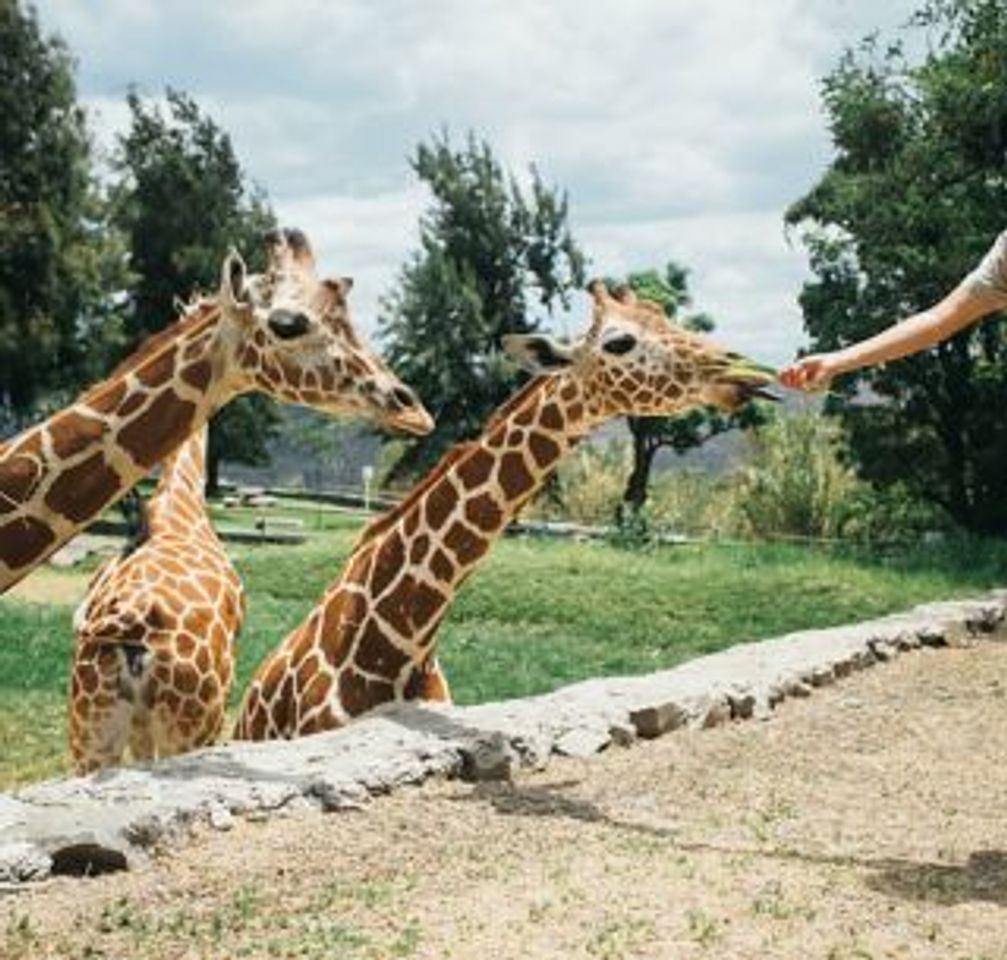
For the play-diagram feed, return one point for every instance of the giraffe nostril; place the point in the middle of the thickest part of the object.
(403, 397)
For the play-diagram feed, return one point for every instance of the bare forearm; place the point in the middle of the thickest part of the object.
(913, 334)
(917, 332)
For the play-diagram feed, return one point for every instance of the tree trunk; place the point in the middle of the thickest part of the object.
(212, 470)
(949, 429)
(638, 484)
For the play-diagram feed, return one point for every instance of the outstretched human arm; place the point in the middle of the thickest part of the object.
(956, 311)
(982, 291)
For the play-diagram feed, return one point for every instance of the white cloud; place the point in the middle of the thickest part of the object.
(730, 256)
(681, 130)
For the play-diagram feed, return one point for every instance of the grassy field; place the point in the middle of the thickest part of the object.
(537, 615)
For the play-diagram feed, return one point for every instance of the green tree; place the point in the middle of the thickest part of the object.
(58, 261)
(682, 433)
(183, 202)
(915, 194)
(489, 250)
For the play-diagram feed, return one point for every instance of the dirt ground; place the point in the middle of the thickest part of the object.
(868, 821)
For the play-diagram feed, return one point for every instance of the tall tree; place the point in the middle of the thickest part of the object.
(183, 202)
(916, 193)
(57, 259)
(670, 290)
(489, 251)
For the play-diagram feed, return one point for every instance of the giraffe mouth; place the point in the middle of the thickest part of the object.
(416, 422)
(742, 381)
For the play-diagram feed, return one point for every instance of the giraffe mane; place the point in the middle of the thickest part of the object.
(199, 313)
(518, 399)
(387, 520)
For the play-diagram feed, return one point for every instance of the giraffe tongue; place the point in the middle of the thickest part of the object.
(742, 381)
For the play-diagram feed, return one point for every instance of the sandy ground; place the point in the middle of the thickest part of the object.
(868, 821)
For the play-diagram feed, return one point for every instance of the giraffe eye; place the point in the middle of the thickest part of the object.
(287, 324)
(620, 344)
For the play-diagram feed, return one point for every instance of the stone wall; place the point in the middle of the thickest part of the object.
(111, 821)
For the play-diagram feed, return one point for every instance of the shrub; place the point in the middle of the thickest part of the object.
(588, 486)
(795, 483)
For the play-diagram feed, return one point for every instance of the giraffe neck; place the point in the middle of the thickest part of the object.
(467, 501)
(60, 475)
(178, 505)
(374, 631)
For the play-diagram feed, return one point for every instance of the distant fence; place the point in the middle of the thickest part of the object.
(277, 530)
(353, 498)
(337, 496)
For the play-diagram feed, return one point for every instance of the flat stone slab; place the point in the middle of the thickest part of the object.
(112, 820)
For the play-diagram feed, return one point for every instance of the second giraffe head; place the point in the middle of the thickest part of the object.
(633, 361)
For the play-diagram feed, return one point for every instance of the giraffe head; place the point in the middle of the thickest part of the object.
(297, 340)
(633, 361)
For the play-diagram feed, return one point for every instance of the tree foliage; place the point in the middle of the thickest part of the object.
(914, 196)
(58, 261)
(183, 202)
(682, 433)
(490, 251)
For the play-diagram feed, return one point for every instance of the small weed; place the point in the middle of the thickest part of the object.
(849, 953)
(121, 915)
(620, 938)
(243, 907)
(704, 929)
(20, 939)
(539, 912)
(766, 817)
(772, 903)
(408, 940)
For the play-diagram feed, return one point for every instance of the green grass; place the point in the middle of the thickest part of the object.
(536, 615)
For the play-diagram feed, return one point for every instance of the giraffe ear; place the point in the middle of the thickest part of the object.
(537, 353)
(232, 280)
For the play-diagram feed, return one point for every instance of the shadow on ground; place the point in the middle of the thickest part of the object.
(982, 878)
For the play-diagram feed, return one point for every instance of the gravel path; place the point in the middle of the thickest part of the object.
(868, 821)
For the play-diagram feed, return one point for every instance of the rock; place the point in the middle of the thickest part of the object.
(742, 705)
(622, 734)
(220, 817)
(489, 759)
(718, 714)
(656, 720)
(822, 676)
(21, 862)
(583, 742)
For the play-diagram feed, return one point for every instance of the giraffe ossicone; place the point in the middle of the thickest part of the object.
(372, 637)
(285, 332)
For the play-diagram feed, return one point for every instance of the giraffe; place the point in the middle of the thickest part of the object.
(154, 638)
(285, 332)
(372, 638)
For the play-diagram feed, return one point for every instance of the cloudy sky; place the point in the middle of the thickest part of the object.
(681, 129)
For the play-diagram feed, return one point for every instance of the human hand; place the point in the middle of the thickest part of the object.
(811, 373)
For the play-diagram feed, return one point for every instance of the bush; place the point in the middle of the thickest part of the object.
(693, 503)
(588, 486)
(795, 483)
(889, 516)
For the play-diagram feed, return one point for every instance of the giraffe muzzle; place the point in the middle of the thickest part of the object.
(408, 415)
